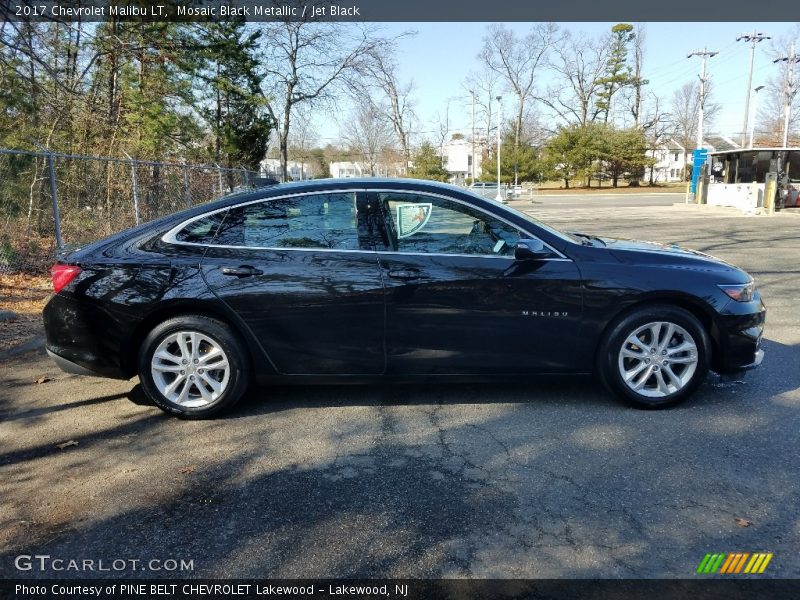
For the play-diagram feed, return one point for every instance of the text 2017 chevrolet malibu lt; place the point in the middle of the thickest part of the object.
(377, 280)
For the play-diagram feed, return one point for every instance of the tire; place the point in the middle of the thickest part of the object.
(658, 375)
(193, 366)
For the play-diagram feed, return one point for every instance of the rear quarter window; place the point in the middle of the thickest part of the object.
(202, 231)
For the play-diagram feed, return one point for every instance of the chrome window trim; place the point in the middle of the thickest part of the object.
(169, 236)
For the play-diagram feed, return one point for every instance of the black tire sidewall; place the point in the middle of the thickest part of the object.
(220, 333)
(609, 353)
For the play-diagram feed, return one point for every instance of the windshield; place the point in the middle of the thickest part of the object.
(560, 234)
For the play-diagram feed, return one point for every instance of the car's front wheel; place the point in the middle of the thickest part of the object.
(655, 356)
(193, 366)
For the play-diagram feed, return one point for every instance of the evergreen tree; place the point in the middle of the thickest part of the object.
(229, 96)
(428, 164)
(618, 74)
(573, 152)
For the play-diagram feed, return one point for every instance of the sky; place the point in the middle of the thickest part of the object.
(441, 55)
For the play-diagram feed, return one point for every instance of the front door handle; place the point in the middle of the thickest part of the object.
(242, 271)
(404, 274)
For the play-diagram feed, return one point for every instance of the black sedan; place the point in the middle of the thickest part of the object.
(378, 280)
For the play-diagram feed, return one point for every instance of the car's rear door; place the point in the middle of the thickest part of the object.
(457, 302)
(302, 274)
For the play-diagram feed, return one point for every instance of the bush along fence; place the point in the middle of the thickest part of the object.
(51, 201)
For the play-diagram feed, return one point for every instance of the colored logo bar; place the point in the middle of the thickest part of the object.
(733, 563)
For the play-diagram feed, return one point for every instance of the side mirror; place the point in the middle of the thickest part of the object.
(530, 250)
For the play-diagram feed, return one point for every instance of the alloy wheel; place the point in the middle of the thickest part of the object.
(190, 369)
(658, 359)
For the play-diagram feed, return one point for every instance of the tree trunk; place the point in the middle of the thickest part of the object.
(284, 139)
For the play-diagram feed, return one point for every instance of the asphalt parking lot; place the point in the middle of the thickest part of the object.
(554, 479)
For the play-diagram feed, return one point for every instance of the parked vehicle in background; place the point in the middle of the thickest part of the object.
(363, 280)
(488, 189)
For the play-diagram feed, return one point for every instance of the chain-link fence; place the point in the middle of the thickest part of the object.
(49, 201)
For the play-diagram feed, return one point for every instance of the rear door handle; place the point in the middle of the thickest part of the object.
(403, 274)
(242, 271)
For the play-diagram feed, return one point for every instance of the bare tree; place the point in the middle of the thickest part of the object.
(578, 62)
(309, 63)
(685, 108)
(302, 139)
(381, 72)
(637, 80)
(657, 125)
(772, 100)
(518, 61)
(367, 133)
(485, 84)
(441, 131)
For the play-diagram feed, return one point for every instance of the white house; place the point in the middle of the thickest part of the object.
(349, 169)
(674, 162)
(458, 157)
(271, 167)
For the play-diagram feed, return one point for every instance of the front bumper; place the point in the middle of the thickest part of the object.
(756, 362)
(738, 334)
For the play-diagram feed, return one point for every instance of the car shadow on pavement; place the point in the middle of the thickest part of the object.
(48, 410)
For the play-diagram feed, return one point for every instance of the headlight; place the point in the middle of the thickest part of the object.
(741, 292)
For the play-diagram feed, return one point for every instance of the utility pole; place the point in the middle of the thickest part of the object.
(753, 38)
(788, 90)
(472, 93)
(704, 54)
(499, 196)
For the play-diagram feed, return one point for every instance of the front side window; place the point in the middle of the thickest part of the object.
(428, 224)
(323, 221)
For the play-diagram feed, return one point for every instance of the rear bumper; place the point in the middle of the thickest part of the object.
(82, 339)
(68, 366)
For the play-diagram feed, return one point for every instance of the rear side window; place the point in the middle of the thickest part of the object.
(323, 221)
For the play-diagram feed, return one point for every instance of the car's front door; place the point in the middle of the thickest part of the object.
(459, 303)
(302, 274)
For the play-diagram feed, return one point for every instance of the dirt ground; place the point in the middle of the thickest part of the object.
(26, 296)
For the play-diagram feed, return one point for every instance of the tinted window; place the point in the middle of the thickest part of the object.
(428, 224)
(201, 231)
(317, 221)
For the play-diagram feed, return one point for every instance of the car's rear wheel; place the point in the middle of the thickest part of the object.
(655, 356)
(193, 366)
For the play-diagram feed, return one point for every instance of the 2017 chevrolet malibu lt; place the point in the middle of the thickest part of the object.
(379, 280)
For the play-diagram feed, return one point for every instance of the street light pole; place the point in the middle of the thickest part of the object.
(499, 197)
(753, 38)
(755, 114)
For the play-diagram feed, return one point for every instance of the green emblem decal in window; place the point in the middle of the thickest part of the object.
(411, 218)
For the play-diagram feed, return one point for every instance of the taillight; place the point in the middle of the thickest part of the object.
(62, 275)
